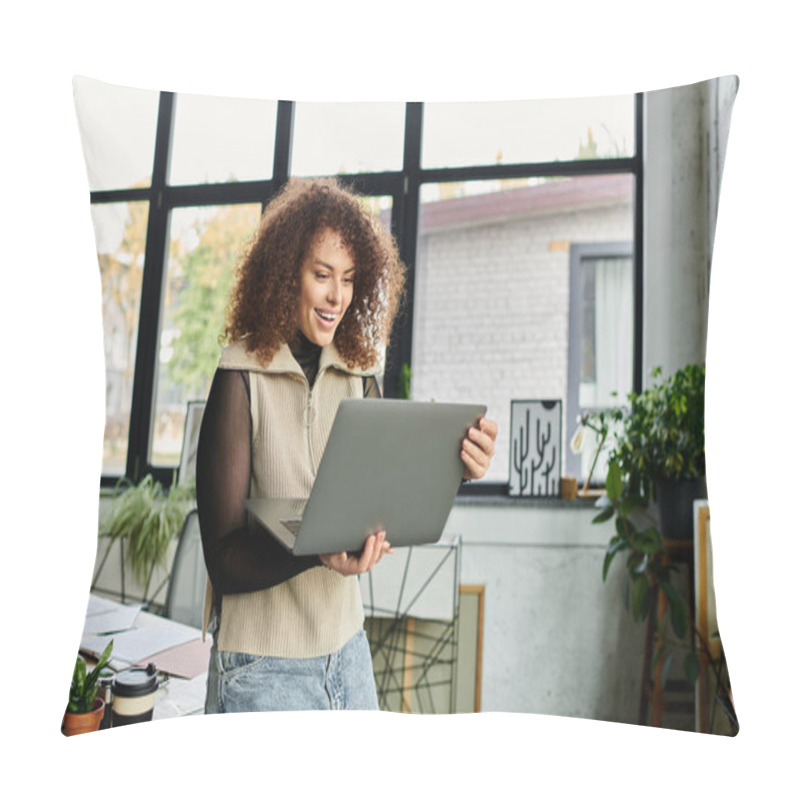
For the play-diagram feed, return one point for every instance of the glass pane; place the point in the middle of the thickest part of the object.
(491, 302)
(523, 131)
(118, 133)
(222, 139)
(336, 138)
(120, 231)
(381, 209)
(205, 246)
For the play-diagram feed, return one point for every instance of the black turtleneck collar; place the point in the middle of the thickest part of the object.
(306, 354)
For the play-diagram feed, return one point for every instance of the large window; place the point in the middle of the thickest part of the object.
(517, 221)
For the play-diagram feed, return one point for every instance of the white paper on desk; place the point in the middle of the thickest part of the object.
(99, 605)
(139, 644)
(116, 619)
(178, 697)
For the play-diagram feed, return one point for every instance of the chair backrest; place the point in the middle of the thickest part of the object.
(187, 583)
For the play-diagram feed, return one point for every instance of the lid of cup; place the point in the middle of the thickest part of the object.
(136, 681)
(106, 677)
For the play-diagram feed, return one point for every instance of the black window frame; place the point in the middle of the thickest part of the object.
(403, 186)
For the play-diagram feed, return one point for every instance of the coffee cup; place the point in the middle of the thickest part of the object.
(104, 686)
(134, 695)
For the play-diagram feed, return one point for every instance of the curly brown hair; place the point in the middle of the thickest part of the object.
(264, 301)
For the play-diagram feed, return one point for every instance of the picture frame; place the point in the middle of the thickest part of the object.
(535, 448)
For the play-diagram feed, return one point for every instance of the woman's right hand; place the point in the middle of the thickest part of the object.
(357, 563)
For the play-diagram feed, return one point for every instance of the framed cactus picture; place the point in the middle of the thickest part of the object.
(534, 468)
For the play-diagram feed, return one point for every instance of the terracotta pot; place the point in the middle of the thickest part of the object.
(83, 723)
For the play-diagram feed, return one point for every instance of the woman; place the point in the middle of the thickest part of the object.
(314, 299)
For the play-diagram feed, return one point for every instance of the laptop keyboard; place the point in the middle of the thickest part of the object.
(292, 524)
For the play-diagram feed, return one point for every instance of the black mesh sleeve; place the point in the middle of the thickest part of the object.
(238, 560)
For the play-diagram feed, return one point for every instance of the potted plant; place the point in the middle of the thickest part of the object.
(85, 709)
(658, 455)
(145, 519)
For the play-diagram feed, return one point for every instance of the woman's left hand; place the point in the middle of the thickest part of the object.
(477, 449)
(375, 547)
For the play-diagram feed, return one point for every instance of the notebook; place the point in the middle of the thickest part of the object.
(390, 464)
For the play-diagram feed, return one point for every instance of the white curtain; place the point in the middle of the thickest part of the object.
(613, 329)
(613, 338)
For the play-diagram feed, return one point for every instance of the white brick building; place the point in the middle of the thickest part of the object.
(492, 291)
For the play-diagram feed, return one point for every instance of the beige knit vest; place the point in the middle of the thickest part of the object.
(317, 611)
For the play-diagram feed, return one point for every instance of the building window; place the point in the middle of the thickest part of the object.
(347, 138)
(221, 140)
(601, 339)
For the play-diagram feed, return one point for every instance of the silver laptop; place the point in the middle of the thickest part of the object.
(391, 464)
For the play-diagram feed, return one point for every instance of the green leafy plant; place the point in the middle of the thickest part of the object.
(660, 437)
(404, 381)
(637, 536)
(663, 432)
(83, 689)
(146, 518)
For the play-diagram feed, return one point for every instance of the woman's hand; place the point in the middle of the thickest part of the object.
(477, 449)
(355, 564)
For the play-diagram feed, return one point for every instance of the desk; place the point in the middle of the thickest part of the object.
(177, 650)
(181, 697)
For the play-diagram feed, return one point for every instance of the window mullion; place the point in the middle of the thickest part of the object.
(284, 130)
(152, 289)
(406, 221)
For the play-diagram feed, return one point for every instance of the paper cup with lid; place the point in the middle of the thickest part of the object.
(134, 692)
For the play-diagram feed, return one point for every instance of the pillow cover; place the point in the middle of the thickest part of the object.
(532, 280)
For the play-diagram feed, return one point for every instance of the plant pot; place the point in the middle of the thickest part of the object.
(675, 501)
(74, 724)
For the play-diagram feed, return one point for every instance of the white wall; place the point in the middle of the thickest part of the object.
(685, 137)
(556, 639)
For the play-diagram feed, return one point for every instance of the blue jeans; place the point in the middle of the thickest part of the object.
(244, 682)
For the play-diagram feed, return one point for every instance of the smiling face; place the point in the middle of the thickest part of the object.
(326, 287)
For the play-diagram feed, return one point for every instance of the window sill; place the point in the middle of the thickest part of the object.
(496, 494)
(505, 501)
